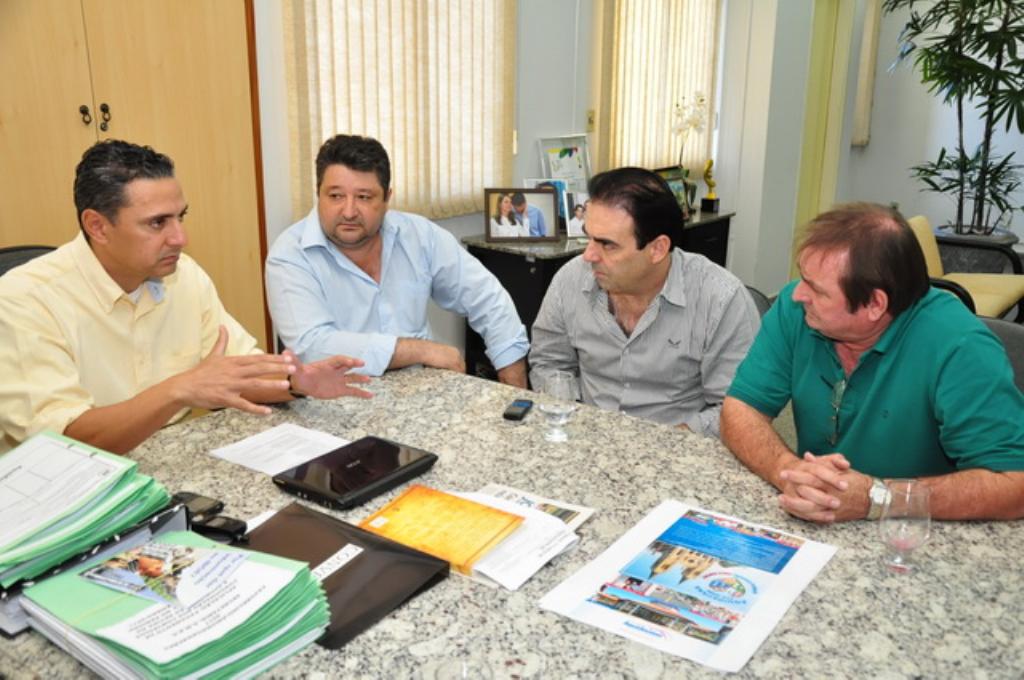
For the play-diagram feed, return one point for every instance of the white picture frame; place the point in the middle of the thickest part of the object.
(566, 157)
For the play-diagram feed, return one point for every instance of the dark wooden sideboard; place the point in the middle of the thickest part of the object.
(526, 270)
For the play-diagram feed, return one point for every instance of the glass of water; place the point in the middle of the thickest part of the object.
(905, 523)
(561, 389)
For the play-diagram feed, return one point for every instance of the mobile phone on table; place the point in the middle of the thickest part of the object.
(220, 528)
(518, 409)
(199, 506)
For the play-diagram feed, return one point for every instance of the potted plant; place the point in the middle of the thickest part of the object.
(966, 52)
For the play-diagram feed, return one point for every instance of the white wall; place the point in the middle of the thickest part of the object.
(908, 126)
(277, 198)
(553, 75)
(764, 80)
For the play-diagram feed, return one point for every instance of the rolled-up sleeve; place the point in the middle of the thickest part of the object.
(551, 349)
(299, 306)
(727, 345)
(464, 286)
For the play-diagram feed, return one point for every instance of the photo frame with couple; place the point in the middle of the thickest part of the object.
(520, 214)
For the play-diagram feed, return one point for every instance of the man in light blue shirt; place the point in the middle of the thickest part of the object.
(355, 275)
(530, 215)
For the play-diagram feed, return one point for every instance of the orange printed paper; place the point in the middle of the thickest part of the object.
(454, 529)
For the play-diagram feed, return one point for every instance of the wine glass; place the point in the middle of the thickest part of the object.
(560, 386)
(905, 523)
(462, 668)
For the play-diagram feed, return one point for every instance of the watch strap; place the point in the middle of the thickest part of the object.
(878, 496)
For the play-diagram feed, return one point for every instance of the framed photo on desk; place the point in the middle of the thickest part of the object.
(682, 188)
(567, 158)
(520, 215)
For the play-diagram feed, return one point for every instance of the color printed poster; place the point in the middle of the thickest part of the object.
(693, 583)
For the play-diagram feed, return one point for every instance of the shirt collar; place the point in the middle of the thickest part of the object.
(889, 336)
(105, 289)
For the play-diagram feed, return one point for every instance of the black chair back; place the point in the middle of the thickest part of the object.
(1012, 337)
(761, 301)
(16, 255)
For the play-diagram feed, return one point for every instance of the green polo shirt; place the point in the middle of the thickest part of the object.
(934, 395)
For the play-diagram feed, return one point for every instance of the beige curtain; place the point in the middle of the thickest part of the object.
(433, 80)
(658, 54)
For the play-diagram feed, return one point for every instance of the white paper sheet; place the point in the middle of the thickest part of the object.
(165, 632)
(693, 583)
(45, 478)
(522, 553)
(280, 448)
(572, 515)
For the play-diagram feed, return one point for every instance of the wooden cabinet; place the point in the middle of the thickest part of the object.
(172, 74)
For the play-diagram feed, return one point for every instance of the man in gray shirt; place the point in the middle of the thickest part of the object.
(652, 331)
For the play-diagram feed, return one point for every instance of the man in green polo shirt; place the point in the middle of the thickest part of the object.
(888, 378)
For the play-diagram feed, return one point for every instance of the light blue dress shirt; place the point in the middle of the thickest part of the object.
(322, 304)
(537, 225)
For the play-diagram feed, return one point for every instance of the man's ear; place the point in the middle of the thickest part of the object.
(659, 248)
(878, 304)
(95, 225)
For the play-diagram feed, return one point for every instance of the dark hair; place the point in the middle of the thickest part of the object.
(497, 208)
(364, 154)
(107, 167)
(646, 197)
(518, 198)
(883, 252)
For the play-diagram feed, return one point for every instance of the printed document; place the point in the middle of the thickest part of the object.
(279, 448)
(536, 541)
(572, 515)
(229, 593)
(47, 478)
(693, 583)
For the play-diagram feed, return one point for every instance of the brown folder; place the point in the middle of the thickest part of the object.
(365, 587)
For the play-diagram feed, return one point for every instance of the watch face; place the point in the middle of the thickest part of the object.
(878, 495)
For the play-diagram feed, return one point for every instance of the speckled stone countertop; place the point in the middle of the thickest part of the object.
(539, 250)
(961, 616)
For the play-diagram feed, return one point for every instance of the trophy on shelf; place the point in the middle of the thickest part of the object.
(710, 202)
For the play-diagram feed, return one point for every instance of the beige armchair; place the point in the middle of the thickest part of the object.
(993, 295)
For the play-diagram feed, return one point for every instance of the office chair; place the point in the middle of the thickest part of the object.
(16, 255)
(761, 301)
(993, 295)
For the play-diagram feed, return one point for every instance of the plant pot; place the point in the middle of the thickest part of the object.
(961, 252)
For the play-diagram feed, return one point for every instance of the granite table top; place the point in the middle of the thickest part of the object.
(961, 615)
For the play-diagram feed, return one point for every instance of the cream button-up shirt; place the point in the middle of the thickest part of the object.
(72, 340)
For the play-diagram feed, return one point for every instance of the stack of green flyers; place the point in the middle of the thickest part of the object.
(62, 497)
(181, 606)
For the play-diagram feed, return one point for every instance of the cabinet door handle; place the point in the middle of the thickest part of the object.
(105, 116)
(86, 116)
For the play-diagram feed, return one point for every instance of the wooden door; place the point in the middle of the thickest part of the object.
(175, 76)
(44, 72)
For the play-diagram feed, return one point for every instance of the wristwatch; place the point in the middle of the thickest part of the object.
(878, 495)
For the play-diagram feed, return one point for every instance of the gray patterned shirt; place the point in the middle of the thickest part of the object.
(677, 364)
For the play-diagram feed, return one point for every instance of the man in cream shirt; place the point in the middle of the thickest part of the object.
(118, 332)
